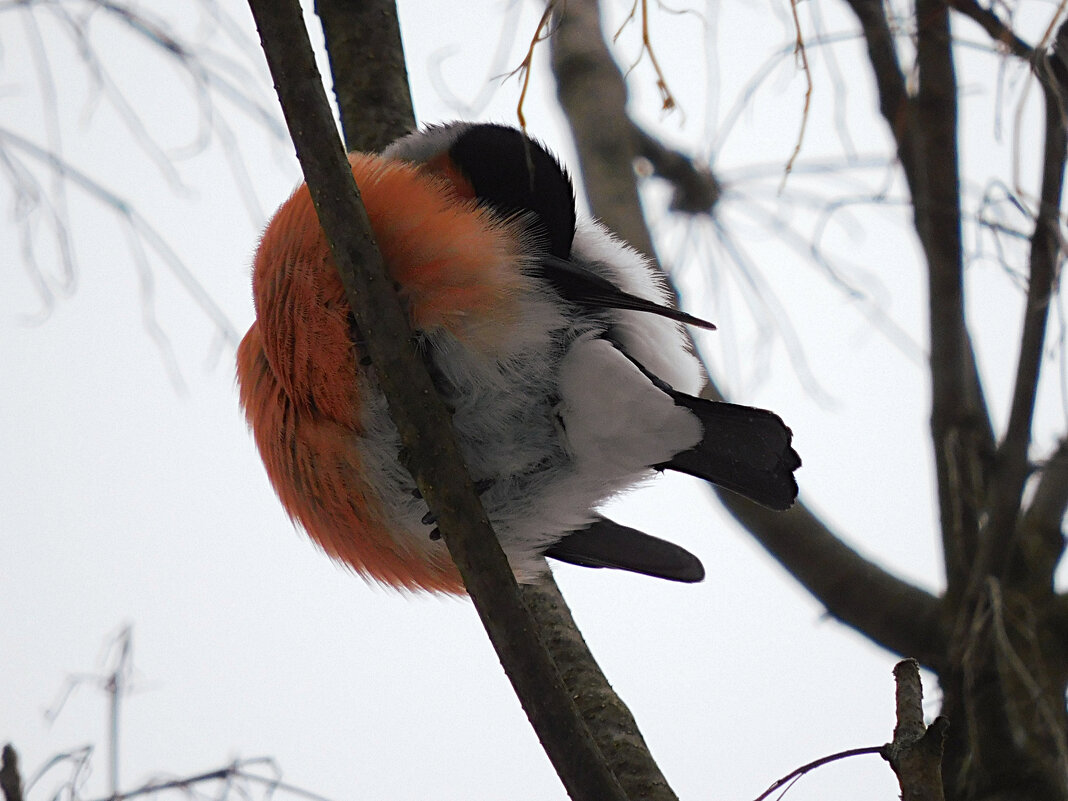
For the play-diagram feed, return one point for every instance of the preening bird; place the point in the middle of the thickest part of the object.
(555, 345)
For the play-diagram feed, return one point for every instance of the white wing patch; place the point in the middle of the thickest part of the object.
(616, 422)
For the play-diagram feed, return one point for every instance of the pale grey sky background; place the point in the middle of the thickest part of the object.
(126, 501)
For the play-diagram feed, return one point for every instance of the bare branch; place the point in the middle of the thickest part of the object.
(420, 415)
(43, 181)
(140, 229)
(609, 719)
(1050, 501)
(889, 78)
(992, 24)
(960, 428)
(364, 44)
(824, 44)
(915, 753)
(10, 780)
(801, 52)
(594, 96)
(541, 33)
(791, 777)
(1013, 466)
(239, 770)
(696, 190)
(925, 130)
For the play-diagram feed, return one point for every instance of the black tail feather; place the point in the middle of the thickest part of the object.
(609, 544)
(745, 450)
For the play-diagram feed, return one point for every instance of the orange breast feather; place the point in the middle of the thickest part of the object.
(456, 266)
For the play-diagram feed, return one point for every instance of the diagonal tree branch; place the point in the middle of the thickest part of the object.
(889, 80)
(420, 415)
(695, 189)
(892, 612)
(361, 105)
(609, 719)
(990, 22)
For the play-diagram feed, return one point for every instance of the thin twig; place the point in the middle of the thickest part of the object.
(802, 54)
(235, 771)
(540, 35)
(816, 763)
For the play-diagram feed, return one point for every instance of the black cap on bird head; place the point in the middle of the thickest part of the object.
(508, 171)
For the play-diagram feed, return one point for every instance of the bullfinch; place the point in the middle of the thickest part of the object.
(556, 347)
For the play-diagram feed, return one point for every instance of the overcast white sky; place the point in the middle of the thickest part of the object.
(124, 500)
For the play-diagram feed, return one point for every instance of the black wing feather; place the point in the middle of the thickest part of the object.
(586, 288)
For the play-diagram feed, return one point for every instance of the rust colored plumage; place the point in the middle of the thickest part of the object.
(297, 366)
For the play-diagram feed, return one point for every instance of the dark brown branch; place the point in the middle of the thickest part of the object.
(925, 133)
(609, 719)
(1013, 465)
(889, 79)
(960, 428)
(363, 42)
(1042, 543)
(10, 780)
(696, 190)
(915, 753)
(936, 198)
(418, 412)
(593, 95)
(992, 24)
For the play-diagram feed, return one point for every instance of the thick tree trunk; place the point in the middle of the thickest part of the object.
(1003, 692)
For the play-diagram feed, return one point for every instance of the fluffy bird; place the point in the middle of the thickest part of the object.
(555, 345)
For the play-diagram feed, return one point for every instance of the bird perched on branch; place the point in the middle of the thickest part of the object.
(557, 348)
